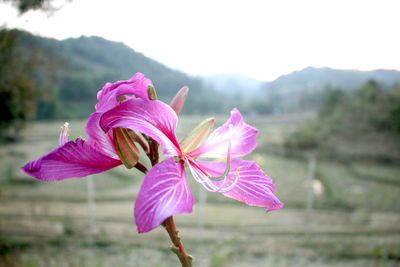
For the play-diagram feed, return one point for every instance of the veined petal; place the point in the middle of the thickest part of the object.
(73, 159)
(242, 143)
(107, 97)
(164, 193)
(97, 137)
(253, 187)
(153, 118)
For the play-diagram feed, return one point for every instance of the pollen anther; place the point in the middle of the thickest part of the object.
(237, 172)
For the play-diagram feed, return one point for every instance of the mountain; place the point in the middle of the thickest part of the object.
(304, 89)
(318, 78)
(304, 82)
(116, 61)
(79, 67)
(233, 84)
(67, 74)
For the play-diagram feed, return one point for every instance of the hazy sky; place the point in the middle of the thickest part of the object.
(261, 39)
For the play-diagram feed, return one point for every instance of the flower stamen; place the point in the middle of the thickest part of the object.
(64, 134)
(237, 172)
(228, 159)
(207, 180)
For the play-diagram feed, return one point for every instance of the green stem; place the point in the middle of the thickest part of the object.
(177, 246)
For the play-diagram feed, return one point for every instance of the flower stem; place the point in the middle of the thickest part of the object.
(169, 224)
(177, 246)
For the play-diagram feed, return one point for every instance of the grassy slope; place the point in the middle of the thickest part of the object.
(355, 221)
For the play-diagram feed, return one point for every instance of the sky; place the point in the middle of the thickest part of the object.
(262, 39)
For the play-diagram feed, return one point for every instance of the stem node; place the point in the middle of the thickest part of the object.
(177, 246)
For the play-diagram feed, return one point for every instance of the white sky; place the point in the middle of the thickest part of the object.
(261, 39)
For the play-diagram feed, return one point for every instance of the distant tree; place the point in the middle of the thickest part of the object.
(369, 92)
(16, 86)
(369, 111)
(26, 5)
(75, 86)
(331, 100)
(395, 115)
(27, 89)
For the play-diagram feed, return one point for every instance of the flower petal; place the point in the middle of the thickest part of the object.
(107, 97)
(73, 159)
(253, 187)
(242, 143)
(164, 193)
(153, 118)
(97, 137)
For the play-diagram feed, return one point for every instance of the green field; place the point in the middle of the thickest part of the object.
(355, 219)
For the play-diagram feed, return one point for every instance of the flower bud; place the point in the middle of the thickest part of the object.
(151, 92)
(177, 102)
(125, 147)
(197, 136)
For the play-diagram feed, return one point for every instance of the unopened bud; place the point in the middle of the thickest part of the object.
(197, 136)
(121, 98)
(140, 140)
(151, 92)
(177, 102)
(125, 147)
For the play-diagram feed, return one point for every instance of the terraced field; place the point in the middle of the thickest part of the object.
(354, 219)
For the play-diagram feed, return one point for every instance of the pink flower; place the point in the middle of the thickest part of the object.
(165, 191)
(81, 158)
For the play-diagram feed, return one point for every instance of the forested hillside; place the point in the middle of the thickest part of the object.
(44, 79)
(304, 90)
(362, 124)
(66, 75)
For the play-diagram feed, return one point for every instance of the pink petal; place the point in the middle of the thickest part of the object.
(73, 159)
(97, 137)
(107, 97)
(153, 118)
(243, 139)
(164, 193)
(253, 187)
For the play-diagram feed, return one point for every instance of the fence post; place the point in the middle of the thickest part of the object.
(200, 218)
(91, 205)
(310, 191)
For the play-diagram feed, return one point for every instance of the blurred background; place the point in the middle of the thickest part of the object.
(319, 79)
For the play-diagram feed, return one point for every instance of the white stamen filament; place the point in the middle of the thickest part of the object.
(207, 180)
(203, 179)
(64, 134)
